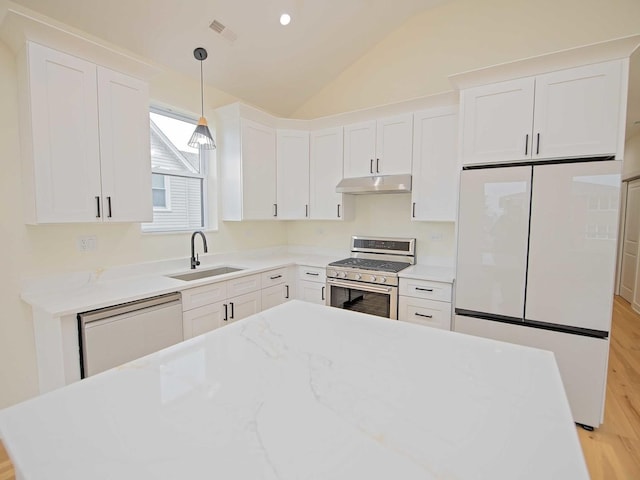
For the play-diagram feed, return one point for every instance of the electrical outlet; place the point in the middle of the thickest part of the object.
(87, 243)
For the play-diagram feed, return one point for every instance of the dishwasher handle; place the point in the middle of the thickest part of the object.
(123, 308)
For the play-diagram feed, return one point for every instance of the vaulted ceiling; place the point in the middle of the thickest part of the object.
(272, 66)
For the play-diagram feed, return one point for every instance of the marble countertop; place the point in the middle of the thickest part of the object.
(85, 291)
(307, 391)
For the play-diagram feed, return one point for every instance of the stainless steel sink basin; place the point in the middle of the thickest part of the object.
(198, 274)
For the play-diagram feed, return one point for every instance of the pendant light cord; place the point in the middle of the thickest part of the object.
(201, 92)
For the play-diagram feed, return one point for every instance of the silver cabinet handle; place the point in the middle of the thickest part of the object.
(98, 206)
(422, 315)
(424, 289)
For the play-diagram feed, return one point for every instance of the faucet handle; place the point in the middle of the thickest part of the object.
(197, 259)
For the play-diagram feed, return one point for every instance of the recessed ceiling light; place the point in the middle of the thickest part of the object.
(285, 18)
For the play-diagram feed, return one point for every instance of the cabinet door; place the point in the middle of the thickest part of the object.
(258, 171)
(203, 319)
(577, 111)
(359, 149)
(325, 173)
(435, 165)
(63, 113)
(275, 295)
(573, 242)
(293, 174)
(244, 305)
(497, 122)
(394, 147)
(313, 292)
(493, 228)
(123, 105)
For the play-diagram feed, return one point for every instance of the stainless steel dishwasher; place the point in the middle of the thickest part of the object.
(115, 335)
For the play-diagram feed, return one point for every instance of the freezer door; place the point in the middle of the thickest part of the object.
(572, 253)
(492, 240)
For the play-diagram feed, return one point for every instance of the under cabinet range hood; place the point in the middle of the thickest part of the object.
(375, 184)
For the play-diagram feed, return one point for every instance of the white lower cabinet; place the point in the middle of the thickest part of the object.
(276, 288)
(203, 319)
(311, 284)
(425, 302)
(242, 306)
(429, 313)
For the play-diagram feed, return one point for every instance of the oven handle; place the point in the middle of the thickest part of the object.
(360, 286)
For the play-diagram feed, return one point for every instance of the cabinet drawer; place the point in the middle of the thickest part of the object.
(242, 285)
(312, 274)
(425, 312)
(204, 295)
(425, 289)
(274, 277)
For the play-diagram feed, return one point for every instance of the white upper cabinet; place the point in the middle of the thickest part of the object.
(577, 112)
(496, 122)
(248, 169)
(292, 149)
(85, 139)
(382, 147)
(325, 173)
(123, 113)
(435, 165)
(566, 114)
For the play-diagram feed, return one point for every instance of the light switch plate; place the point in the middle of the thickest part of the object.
(87, 243)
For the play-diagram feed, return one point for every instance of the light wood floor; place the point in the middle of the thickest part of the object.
(613, 450)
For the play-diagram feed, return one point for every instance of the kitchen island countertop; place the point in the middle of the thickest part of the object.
(307, 391)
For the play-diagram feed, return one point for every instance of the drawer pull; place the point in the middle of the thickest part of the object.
(422, 315)
(424, 289)
(275, 277)
(323, 287)
(312, 274)
(287, 295)
(231, 303)
(226, 316)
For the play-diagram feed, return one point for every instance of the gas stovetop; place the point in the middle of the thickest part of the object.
(371, 264)
(374, 260)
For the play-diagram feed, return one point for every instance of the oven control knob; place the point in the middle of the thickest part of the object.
(331, 273)
(373, 278)
(383, 279)
(342, 274)
(358, 276)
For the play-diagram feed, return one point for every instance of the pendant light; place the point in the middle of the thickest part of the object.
(201, 137)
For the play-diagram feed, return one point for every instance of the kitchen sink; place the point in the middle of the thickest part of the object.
(212, 272)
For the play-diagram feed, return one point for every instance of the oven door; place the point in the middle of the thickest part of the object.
(380, 300)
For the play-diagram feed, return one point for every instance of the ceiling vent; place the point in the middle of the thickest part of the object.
(222, 30)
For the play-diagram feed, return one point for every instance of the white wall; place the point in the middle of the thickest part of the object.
(32, 251)
(417, 58)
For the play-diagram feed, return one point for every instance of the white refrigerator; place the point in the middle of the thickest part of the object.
(536, 264)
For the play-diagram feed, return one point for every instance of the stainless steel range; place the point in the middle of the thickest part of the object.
(368, 281)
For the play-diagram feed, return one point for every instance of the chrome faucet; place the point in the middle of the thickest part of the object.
(194, 256)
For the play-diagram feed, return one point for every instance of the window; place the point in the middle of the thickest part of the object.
(179, 174)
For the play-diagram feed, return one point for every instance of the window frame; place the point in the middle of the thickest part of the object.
(203, 176)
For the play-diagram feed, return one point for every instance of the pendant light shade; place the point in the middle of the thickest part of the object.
(201, 137)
